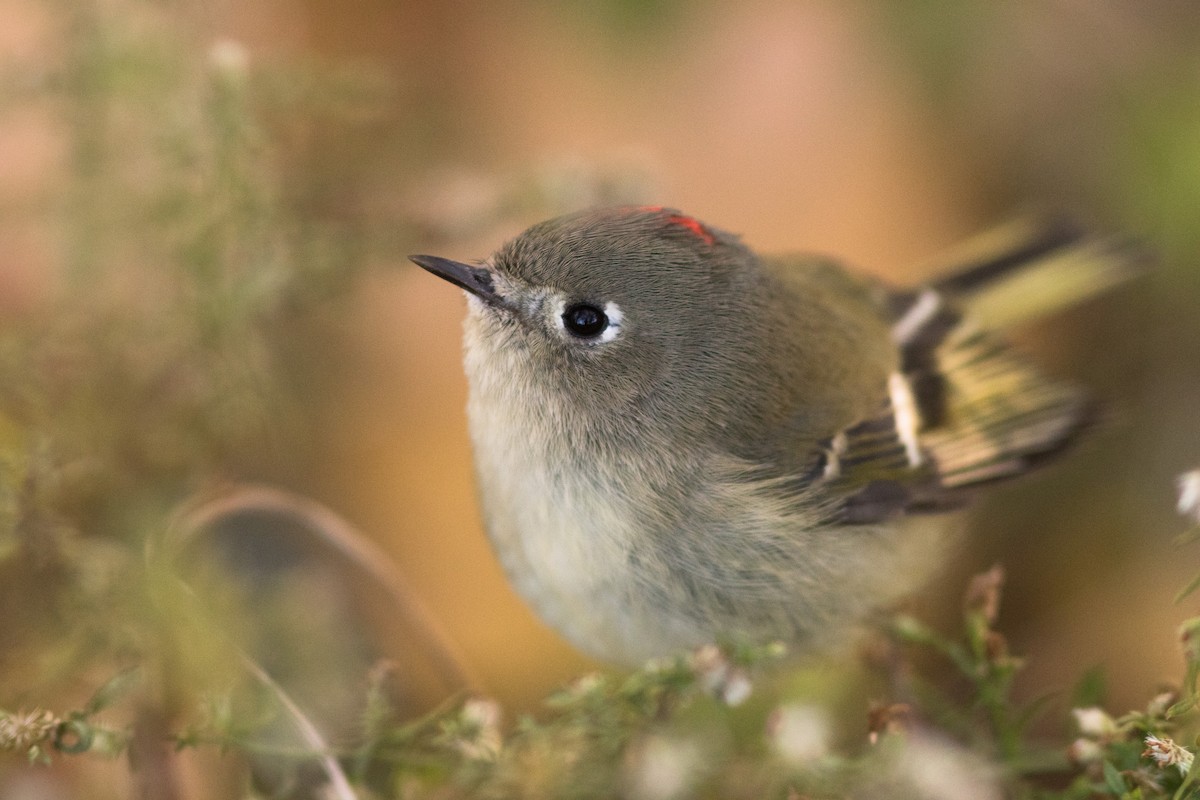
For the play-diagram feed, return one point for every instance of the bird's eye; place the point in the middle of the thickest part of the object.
(585, 321)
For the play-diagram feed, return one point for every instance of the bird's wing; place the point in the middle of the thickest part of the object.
(963, 409)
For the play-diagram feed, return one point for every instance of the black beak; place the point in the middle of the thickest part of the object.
(476, 280)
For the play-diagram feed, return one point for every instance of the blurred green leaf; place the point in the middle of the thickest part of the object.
(113, 690)
(1091, 688)
(1113, 780)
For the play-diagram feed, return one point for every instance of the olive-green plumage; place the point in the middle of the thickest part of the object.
(678, 441)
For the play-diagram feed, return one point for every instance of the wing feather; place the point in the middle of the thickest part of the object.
(979, 411)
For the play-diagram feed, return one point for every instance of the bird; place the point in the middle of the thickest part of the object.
(678, 441)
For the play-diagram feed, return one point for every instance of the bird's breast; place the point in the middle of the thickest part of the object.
(568, 526)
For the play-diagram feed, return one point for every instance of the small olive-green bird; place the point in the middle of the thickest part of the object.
(678, 441)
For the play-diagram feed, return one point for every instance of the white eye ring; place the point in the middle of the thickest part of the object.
(613, 317)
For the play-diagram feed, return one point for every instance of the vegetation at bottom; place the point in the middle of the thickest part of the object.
(722, 721)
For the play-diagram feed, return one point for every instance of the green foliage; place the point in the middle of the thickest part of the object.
(720, 722)
(153, 363)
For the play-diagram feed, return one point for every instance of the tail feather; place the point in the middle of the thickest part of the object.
(987, 258)
(1029, 269)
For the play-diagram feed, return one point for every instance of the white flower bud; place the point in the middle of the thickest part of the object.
(1085, 751)
(1189, 495)
(799, 734)
(1166, 753)
(480, 719)
(661, 768)
(1094, 722)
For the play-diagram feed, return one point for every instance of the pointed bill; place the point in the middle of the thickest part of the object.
(476, 280)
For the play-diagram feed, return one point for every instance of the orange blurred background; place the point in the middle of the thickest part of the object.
(879, 132)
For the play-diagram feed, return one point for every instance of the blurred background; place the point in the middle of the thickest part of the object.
(206, 209)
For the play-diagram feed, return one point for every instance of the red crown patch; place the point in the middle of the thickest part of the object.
(690, 223)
